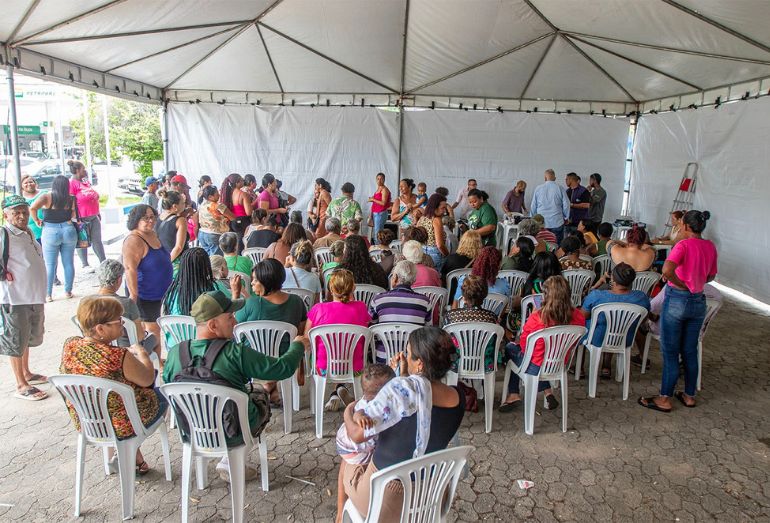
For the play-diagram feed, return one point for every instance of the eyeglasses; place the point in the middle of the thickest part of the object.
(151, 218)
(113, 322)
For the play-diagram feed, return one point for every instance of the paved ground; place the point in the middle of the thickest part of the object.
(618, 462)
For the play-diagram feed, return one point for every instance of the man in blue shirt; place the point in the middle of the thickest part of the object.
(550, 201)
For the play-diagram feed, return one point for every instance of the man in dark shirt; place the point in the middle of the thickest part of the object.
(579, 202)
(598, 198)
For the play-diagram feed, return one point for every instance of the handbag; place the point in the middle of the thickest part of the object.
(83, 229)
(471, 397)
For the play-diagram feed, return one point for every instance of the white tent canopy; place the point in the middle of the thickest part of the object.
(514, 54)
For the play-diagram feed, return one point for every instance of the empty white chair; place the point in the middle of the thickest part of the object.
(494, 302)
(177, 328)
(323, 255)
(257, 254)
(429, 483)
(559, 344)
(515, 280)
(266, 337)
(308, 297)
(245, 282)
(339, 343)
(376, 254)
(453, 276)
(88, 396)
(579, 281)
(602, 264)
(645, 281)
(393, 336)
(472, 339)
(439, 297)
(395, 246)
(365, 292)
(202, 405)
(621, 320)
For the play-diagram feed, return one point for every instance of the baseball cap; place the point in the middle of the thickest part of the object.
(209, 305)
(179, 179)
(149, 181)
(14, 200)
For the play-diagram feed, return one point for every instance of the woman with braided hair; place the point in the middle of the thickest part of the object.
(193, 279)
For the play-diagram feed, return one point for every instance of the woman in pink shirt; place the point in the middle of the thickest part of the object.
(268, 198)
(342, 310)
(238, 202)
(690, 265)
(88, 210)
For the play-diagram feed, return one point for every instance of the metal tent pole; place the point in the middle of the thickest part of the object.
(165, 134)
(111, 202)
(14, 127)
(400, 137)
(87, 128)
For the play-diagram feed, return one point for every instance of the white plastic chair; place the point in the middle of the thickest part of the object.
(365, 293)
(266, 337)
(256, 254)
(515, 280)
(308, 297)
(394, 337)
(579, 280)
(620, 319)
(603, 263)
(472, 339)
(323, 255)
(494, 302)
(177, 328)
(395, 246)
(453, 276)
(529, 304)
(376, 254)
(245, 282)
(202, 405)
(429, 483)
(645, 281)
(339, 342)
(439, 296)
(559, 343)
(88, 395)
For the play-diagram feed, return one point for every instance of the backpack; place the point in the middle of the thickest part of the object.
(198, 370)
(4, 258)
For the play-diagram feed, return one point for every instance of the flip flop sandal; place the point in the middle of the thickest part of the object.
(551, 403)
(649, 403)
(509, 406)
(37, 379)
(142, 468)
(605, 374)
(31, 394)
(680, 396)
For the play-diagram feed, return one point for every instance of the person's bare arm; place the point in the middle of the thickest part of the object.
(354, 430)
(438, 230)
(487, 230)
(43, 199)
(133, 252)
(247, 204)
(669, 272)
(395, 215)
(137, 366)
(181, 238)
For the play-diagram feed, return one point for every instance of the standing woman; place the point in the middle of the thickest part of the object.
(59, 235)
(30, 192)
(403, 207)
(172, 225)
(148, 266)
(214, 219)
(432, 221)
(691, 264)
(87, 200)
(203, 182)
(239, 203)
(322, 201)
(483, 218)
(268, 198)
(380, 204)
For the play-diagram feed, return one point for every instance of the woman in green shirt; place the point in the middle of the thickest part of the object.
(483, 218)
(228, 243)
(30, 192)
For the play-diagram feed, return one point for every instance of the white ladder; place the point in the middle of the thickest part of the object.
(684, 196)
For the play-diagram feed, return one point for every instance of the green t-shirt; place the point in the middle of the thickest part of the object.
(481, 217)
(224, 286)
(239, 263)
(601, 247)
(36, 231)
(257, 308)
(238, 363)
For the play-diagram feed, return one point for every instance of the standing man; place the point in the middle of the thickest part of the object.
(598, 199)
(149, 197)
(552, 203)
(345, 208)
(22, 294)
(461, 205)
(514, 200)
(579, 202)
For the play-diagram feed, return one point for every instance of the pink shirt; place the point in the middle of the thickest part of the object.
(352, 313)
(696, 261)
(86, 196)
(426, 277)
(271, 199)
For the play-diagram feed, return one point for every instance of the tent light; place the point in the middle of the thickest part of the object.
(117, 88)
(717, 102)
(136, 94)
(672, 108)
(528, 111)
(292, 102)
(95, 83)
(221, 102)
(534, 110)
(42, 70)
(475, 106)
(604, 113)
(327, 102)
(461, 106)
(569, 111)
(259, 102)
(362, 101)
(500, 108)
(746, 95)
(433, 105)
(591, 112)
(692, 106)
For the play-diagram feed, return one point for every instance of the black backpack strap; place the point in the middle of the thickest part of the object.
(185, 354)
(5, 253)
(212, 351)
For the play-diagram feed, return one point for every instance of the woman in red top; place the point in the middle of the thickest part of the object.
(240, 204)
(557, 310)
(380, 205)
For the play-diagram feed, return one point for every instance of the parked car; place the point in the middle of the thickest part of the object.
(43, 172)
(131, 183)
(35, 155)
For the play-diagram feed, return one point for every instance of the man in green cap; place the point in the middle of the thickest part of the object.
(237, 363)
(22, 295)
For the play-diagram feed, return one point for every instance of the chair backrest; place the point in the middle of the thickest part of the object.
(393, 336)
(202, 405)
(88, 395)
(128, 325)
(178, 328)
(645, 281)
(529, 304)
(395, 246)
(339, 341)
(601, 264)
(308, 297)
(712, 307)
(494, 302)
(376, 254)
(429, 483)
(323, 255)
(439, 296)
(472, 338)
(365, 292)
(245, 282)
(579, 280)
(265, 336)
(453, 276)
(257, 254)
(515, 280)
(586, 257)
(619, 319)
(559, 343)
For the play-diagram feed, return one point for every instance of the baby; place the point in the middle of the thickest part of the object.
(422, 196)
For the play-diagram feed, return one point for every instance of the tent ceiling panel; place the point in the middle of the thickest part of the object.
(647, 22)
(343, 29)
(565, 74)
(48, 13)
(447, 36)
(13, 14)
(215, 72)
(165, 68)
(505, 77)
(749, 17)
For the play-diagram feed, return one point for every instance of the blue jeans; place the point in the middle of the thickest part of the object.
(379, 219)
(436, 256)
(558, 232)
(680, 322)
(514, 353)
(59, 239)
(209, 243)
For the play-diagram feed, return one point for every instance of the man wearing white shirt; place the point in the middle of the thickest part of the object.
(461, 205)
(22, 294)
(551, 201)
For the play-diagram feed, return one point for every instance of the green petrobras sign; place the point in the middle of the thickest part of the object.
(23, 129)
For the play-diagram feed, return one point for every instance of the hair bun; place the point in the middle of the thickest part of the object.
(706, 215)
(70, 162)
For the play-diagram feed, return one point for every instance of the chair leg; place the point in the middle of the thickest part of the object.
(263, 472)
(700, 363)
(166, 450)
(489, 394)
(358, 391)
(626, 371)
(288, 403)
(295, 392)
(646, 353)
(201, 472)
(106, 459)
(80, 462)
(564, 408)
(127, 472)
(320, 391)
(579, 362)
(530, 400)
(506, 380)
(186, 473)
(237, 461)
(595, 359)
(620, 368)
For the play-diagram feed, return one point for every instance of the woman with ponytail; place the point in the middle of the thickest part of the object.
(87, 205)
(691, 264)
(239, 203)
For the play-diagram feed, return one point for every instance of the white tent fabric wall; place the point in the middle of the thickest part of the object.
(448, 147)
(731, 147)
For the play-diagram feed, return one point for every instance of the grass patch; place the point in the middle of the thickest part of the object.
(122, 200)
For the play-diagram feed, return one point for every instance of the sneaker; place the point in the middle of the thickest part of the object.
(344, 395)
(88, 269)
(334, 404)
